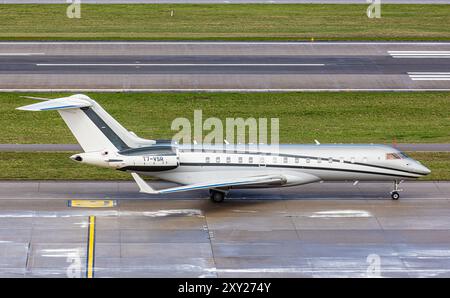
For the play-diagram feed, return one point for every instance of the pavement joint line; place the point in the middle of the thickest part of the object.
(90, 257)
(211, 244)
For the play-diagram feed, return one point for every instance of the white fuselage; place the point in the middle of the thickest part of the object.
(194, 164)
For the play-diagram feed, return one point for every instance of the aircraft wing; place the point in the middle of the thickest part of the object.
(243, 181)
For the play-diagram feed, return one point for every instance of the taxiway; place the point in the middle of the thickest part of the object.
(318, 230)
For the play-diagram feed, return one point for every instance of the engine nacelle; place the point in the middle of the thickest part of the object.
(150, 162)
(146, 163)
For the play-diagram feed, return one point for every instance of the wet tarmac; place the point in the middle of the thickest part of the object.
(321, 230)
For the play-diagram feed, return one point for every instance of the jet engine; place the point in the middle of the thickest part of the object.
(153, 162)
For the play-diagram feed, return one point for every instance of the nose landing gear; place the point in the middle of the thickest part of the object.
(395, 193)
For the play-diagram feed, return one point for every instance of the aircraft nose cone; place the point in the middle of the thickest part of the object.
(423, 170)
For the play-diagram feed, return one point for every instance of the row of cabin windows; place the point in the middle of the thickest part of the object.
(388, 156)
(284, 159)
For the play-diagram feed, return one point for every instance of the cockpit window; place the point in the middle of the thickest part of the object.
(391, 156)
(403, 155)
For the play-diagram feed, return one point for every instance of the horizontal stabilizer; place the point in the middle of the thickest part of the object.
(71, 102)
(36, 98)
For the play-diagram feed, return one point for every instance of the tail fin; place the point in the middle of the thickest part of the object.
(91, 125)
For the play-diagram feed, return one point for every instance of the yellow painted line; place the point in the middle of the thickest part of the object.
(91, 248)
(92, 203)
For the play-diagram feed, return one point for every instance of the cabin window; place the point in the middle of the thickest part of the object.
(250, 159)
(330, 159)
(218, 159)
(319, 160)
(261, 160)
(297, 160)
(308, 160)
(341, 160)
(285, 159)
(207, 159)
(240, 159)
(228, 159)
(275, 159)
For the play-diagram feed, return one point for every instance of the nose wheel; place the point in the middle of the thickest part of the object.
(216, 196)
(395, 195)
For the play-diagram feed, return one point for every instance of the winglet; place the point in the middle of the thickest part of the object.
(143, 186)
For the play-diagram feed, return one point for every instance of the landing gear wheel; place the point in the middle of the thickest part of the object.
(395, 195)
(216, 196)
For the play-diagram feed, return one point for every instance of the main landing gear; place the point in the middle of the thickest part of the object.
(216, 196)
(395, 193)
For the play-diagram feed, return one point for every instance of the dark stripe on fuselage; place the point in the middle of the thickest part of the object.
(299, 167)
(105, 129)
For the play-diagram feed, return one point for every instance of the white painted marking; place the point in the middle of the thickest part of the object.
(421, 57)
(419, 54)
(429, 73)
(179, 64)
(429, 76)
(21, 54)
(431, 79)
(341, 213)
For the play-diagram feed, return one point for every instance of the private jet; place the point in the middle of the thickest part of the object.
(220, 168)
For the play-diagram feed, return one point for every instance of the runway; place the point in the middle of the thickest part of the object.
(318, 230)
(223, 66)
(76, 147)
